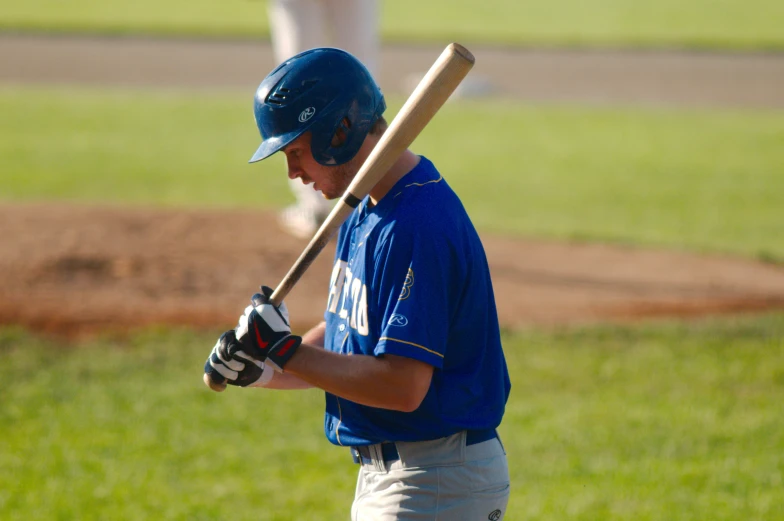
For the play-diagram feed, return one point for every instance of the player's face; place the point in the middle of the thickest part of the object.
(331, 180)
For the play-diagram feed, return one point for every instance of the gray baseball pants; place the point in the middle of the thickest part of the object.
(436, 480)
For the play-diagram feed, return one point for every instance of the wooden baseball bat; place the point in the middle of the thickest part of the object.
(429, 96)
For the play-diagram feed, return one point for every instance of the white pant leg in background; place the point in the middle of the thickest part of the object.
(354, 27)
(296, 26)
(299, 25)
(351, 25)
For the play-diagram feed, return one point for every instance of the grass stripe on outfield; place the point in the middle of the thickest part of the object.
(733, 24)
(656, 423)
(686, 179)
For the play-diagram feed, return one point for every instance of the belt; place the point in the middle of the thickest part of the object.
(389, 449)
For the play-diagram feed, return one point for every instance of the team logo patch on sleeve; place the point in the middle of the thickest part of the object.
(406, 291)
(398, 320)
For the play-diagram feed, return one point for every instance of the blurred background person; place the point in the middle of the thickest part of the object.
(299, 25)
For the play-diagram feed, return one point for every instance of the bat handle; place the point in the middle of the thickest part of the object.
(218, 388)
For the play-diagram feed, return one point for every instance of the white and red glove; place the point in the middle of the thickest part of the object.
(265, 333)
(229, 363)
(262, 342)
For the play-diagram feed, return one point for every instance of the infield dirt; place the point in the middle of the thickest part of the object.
(77, 270)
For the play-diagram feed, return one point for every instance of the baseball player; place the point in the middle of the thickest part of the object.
(299, 25)
(409, 352)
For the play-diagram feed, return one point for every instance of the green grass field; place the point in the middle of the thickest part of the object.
(703, 180)
(652, 422)
(731, 24)
(659, 421)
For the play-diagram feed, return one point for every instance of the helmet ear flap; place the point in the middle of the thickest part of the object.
(322, 141)
(341, 133)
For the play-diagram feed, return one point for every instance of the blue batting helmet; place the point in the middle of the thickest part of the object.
(315, 91)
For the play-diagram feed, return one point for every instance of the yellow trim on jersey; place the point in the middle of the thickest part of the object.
(411, 344)
(440, 178)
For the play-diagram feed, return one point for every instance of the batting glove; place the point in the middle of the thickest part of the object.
(264, 331)
(229, 363)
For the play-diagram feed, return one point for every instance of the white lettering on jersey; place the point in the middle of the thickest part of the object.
(346, 292)
(362, 319)
(335, 284)
(355, 289)
(352, 294)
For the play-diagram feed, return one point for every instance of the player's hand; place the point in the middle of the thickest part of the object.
(228, 363)
(264, 331)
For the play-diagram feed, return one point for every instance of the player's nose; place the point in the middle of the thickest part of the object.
(294, 170)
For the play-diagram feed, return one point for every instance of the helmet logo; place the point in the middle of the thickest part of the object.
(306, 114)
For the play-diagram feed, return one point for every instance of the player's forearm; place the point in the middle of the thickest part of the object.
(388, 382)
(287, 380)
(315, 336)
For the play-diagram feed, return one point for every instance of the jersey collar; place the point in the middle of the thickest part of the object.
(423, 172)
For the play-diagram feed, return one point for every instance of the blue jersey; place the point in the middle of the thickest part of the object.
(411, 279)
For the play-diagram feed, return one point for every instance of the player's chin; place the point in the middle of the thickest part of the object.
(328, 192)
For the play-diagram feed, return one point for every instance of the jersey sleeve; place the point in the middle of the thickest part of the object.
(413, 275)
